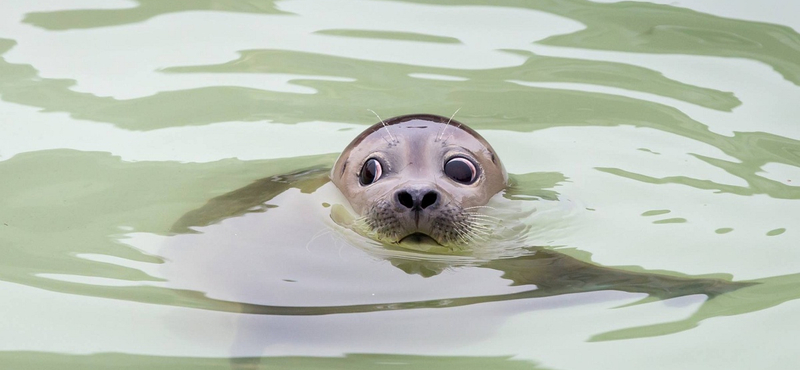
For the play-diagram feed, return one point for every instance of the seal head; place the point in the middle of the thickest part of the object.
(419, 176)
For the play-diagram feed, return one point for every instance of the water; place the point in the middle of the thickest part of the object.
(657, 142)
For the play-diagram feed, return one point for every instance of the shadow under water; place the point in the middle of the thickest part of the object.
(549, 272)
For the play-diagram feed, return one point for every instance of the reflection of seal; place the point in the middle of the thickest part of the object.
(420, 175)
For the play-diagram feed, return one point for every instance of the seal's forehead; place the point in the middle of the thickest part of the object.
(419, 124)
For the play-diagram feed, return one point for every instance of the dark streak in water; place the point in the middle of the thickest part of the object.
(390, 35)
(146, 9)
(351, 361)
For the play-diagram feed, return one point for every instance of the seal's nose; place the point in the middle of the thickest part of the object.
(417, 199)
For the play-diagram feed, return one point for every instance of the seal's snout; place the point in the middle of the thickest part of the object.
(416, 199)
(420, 200)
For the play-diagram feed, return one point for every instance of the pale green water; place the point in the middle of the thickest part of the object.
(669, 136)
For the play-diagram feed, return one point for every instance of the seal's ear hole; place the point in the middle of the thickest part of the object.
(461, 170)
(370, 172)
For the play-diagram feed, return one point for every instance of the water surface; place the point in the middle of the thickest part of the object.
(657, 142)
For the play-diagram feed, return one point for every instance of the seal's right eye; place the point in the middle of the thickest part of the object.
(371, 172)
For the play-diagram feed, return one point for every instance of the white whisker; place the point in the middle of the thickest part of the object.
(487, 220)
(384, 126)
(483, 215)
(441, 134)
(473, 207)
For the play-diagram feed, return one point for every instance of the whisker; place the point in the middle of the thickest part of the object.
(481, 216)
(474, 224)
(464, 239)
(477, 214)
(444, 129)
(487, 221)
(384, 126)
(473, 207)
(473, 230)
(480, 232)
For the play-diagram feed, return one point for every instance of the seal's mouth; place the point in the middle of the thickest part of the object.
(418, 238)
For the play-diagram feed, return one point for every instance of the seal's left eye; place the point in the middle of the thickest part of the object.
(371, 172)
(461, 170)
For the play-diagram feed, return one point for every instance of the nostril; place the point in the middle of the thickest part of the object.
(405, 199)
(429, 199)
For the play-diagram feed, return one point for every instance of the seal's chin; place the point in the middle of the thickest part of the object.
(418, 238)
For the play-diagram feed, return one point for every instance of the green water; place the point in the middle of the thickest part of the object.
(147, 219)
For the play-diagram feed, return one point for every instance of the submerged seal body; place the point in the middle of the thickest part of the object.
(420, 176)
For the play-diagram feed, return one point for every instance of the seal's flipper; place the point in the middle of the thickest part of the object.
(251, 198)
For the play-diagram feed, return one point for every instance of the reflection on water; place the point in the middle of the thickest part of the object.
(525, 108)
(665, 191)
(142, 11)
(48, 361)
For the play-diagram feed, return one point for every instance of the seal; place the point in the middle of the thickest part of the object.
(420, 176)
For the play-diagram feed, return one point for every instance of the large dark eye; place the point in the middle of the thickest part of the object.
(461, 170)
(371, 172)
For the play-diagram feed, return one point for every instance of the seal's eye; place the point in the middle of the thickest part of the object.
(371, 172)
(461, 170)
